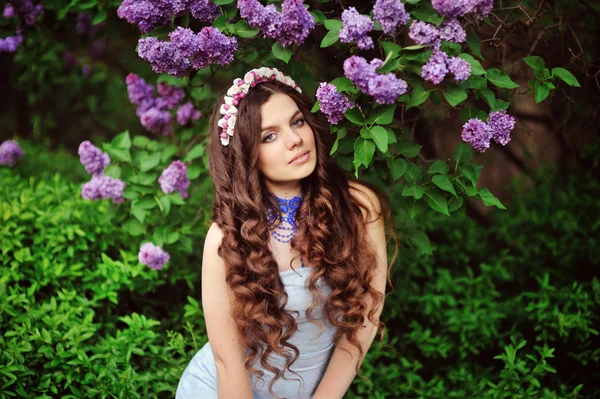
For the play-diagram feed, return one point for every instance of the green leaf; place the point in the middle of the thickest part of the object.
(421, 241)
(500, 79)
(167, 152)
(196, 152)
(134, 227)
(382, 114)
(397, 167)
(565, 76)
(541, 91)
(242, 29)
(390, 47)
(413, 191)
(330, 38)
(120, 154)
(316, 107)
(165, 205)
(474, 43)
(462, 153)
(364, 151)
(438, 166)
(193, 172)
(476, 68)
(471, 172)
(222, 2)
(444, 183)
(176, 198)
(489, 200)
(146, 202)
(139, 213)
(282, 53)
(455, 203)
(355, 116)
(141, 141)
(474, 82)
(101, 16)
(455, 95)
(418, 97)
(344, 84)
(150, 162)
(489, 97)
(380, 137)
(333, 24)
(340, 135)
(437, 201)
(408, 148)
(535, 62)
(319, 16)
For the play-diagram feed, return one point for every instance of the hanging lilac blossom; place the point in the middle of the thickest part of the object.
(359, 71)
(92, 158)
(435, 69)
(483, 8)
(501, 124)
(171, 95)
(156, 120)
(138, 89)
(163, 56)
(460, 68)
(333, 103)
(153, 256)
(146, 14)
(453, 8)
(424, 34)
(452, 31)
(297, 23)
(84, 23)
(209, 46)
(174, 178)
(9, 12)
(10, 43)
(202, 10)
(25, 9)
(187, 113)
(355, 29)
(390, 14)
(386, 88)
(477, 134)
(10, 153)
(266, 18)
(104, 187)
(86, 70)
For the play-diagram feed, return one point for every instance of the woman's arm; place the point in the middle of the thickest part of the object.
(233, 380)
(342, 367)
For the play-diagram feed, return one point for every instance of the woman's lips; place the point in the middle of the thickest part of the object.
(300, 159)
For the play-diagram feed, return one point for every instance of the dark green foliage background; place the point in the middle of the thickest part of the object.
(510, 310)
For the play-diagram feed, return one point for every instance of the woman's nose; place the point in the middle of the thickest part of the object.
(293, 138)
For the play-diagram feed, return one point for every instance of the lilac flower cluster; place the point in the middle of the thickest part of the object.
(146, 14)
(355, 29)
(333, 103)
(202, 10)
(428, 35)
(457, 8)
(439, 64)
(385, 88)
(479, 134)
(153, 256)
(187, 113)
(100, 186)
(187, 50)
(390, 14)
(10, 43)
(291, 25)
(10, 153)
(171, 95)
(24, 9)
(174, 178)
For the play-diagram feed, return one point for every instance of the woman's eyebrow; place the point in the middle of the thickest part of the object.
(272, 126)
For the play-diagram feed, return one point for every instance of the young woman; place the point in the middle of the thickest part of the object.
(294, 266)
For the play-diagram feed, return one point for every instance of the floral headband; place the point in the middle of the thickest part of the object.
(239, 89)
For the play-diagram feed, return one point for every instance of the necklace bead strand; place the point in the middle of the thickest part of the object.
(288, 208)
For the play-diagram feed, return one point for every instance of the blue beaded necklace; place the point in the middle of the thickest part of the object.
(286, 227)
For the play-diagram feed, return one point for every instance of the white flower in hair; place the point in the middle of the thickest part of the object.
(225, 141)
(248, 77)
(230, 130)
(279, 76)
(228, 100)
(231, 121)
(221, 123)
(233, 90)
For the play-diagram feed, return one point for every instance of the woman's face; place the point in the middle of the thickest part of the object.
(286, 150)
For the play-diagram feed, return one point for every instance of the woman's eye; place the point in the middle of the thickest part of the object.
(299, 120)
(268, 138)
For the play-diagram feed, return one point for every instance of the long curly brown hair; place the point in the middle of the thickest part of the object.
(331, 237)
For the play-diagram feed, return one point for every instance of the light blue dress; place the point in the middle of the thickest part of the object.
(199, 380)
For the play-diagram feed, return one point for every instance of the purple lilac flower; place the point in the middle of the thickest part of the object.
(147, 14)
(333, 103)
(153, 256)
(138, 89)
(386, 88)
(453, 8)
(10, 153)
(359, 71)
(424, 34)
(156, 120)
(25, 9)
(70, 60)
(97, 49)
(501, 124)
(266, 18)
(9, 11)
(10, 43)
(202, 10)
(163, 56)
(355, 29)
(86, 70)
(84, 23)
(187, 113)
(483, 8)
(104, 187)
(452, 31)
(390, 14)
(209, 46)
(477, 134)
(460, 68)
(92, 158)
(435, 69)
(297, 23)
(171, 95)
(174, 178)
